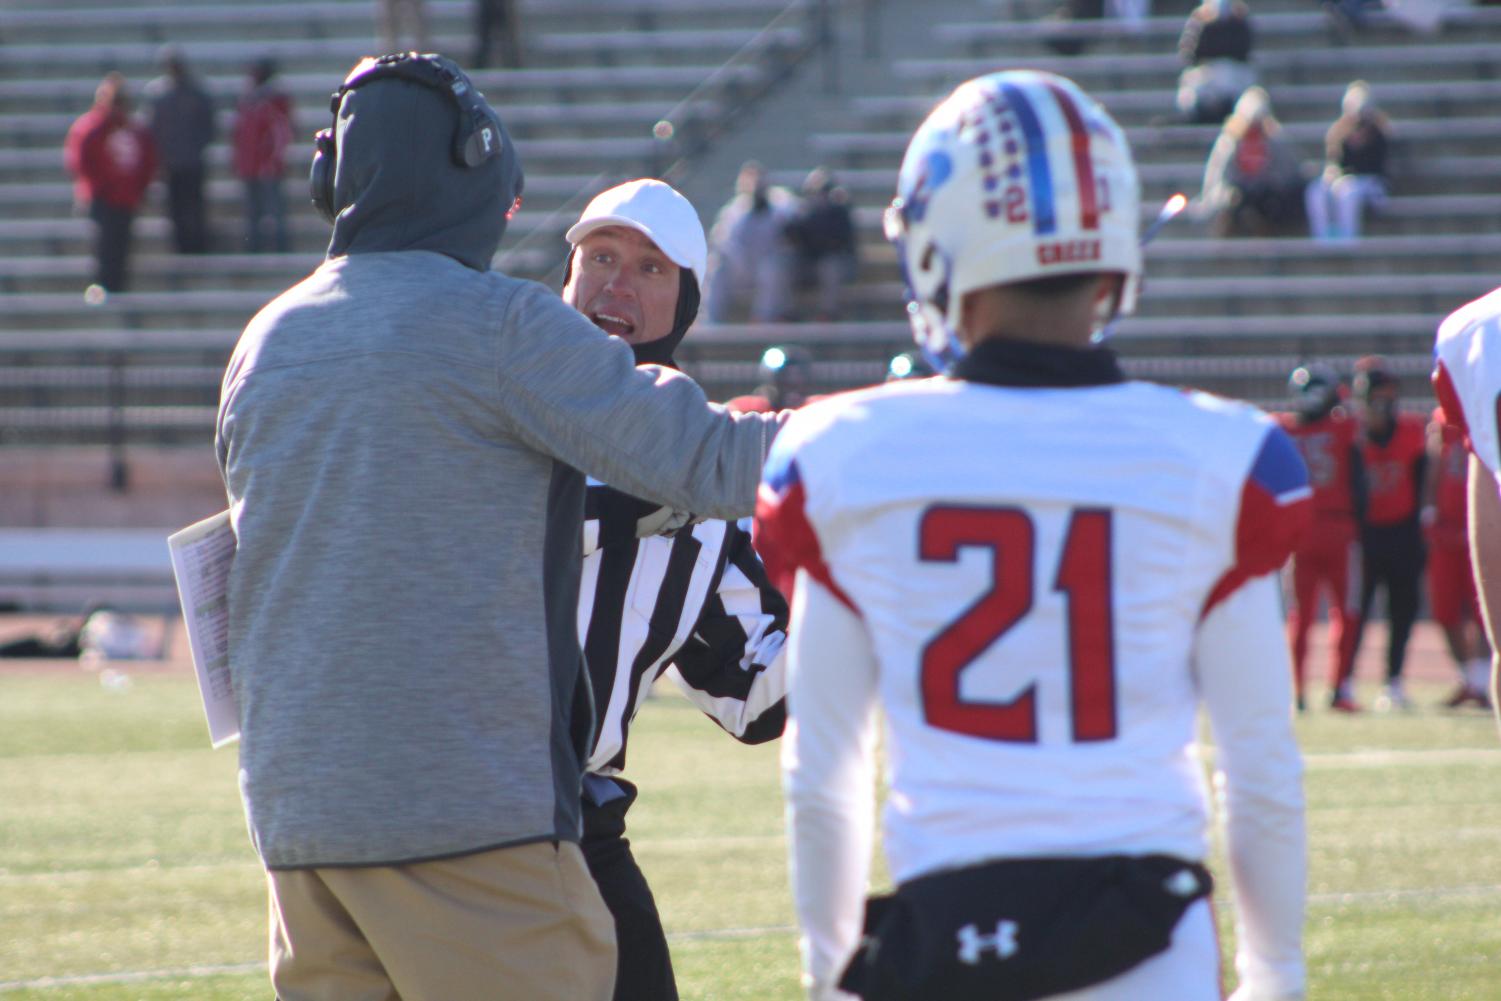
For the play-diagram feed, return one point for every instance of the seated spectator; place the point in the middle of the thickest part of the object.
(748, 252)
(1355, 150)
(1424, 17)
(1252, 183)
(1216, 50)
(822, 236)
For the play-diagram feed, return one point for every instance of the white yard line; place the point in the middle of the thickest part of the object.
(129, 977)
(1414, 893)
(1385, 759)
(82, 875)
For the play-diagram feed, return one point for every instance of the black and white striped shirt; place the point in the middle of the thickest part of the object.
(697, 606)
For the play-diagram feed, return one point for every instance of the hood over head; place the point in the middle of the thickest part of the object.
(397, 187)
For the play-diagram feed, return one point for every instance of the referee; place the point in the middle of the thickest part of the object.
(659, 593)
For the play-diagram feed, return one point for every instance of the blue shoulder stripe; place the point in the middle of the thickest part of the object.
(1279, 469)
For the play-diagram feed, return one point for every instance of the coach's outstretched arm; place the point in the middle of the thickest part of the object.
(573, 392)
(1244, 674)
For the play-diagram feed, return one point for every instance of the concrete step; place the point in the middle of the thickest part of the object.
(1102, 73)
(1450, 136)
(1008, 40)
(526, 122)
(184, 21)
(619, 156)
(1317, 102)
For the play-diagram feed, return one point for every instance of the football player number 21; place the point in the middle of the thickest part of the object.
(1082, 576)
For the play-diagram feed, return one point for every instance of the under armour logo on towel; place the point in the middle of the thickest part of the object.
(972, 944)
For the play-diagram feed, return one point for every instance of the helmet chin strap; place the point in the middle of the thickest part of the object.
(1106, 313)
(659, 351)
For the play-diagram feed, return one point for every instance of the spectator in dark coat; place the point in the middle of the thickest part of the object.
(1355, 152)
(263, 130)
(1216, 51)
(822, 234)
(182, 123)
(112, 158)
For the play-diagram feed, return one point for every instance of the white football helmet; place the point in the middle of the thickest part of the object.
(1016, 176)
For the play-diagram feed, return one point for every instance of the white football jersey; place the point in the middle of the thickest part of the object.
(1467, 374)
(1031, 566)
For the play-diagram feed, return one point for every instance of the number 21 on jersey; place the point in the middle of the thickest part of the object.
(1082, 576)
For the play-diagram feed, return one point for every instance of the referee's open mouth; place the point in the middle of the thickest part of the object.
(610, 323)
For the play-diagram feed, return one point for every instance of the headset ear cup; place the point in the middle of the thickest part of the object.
(479, 142)
(321, 176)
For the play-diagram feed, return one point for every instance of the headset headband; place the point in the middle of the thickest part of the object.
(477, 138)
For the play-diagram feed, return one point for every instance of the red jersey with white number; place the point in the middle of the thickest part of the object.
(1031, 566)
(1450, 493)
(1391, 470)
(1326, 446)
(1467, 376)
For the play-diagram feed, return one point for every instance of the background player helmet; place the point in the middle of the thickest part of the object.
(1015, 176)
(1372, 372)
(786, 374)
(1314, 389)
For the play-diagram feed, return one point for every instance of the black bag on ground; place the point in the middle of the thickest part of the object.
(1021, 929)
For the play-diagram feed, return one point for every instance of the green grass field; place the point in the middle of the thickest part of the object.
(126, 873)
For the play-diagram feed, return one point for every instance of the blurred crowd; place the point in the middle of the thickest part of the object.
(114, 156)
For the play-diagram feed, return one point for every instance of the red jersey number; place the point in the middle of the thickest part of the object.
(1083, 576)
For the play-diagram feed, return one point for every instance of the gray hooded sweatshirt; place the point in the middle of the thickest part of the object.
(399, 435)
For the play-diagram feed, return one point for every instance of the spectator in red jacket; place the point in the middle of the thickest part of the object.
(262, 132)
(112, 159)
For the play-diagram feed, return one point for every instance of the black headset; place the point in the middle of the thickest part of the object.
(477, 138)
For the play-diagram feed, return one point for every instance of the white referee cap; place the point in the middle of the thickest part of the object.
(655, 209)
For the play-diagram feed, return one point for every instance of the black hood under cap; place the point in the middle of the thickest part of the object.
(398, 187)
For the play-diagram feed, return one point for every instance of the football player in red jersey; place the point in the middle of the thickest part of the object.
(1328, 439)
(1394, 450)
(1451, 586)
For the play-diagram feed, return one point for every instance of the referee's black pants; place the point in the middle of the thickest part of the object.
(1392, 557)
(643, 967)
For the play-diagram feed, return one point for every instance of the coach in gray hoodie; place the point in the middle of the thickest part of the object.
(401, 436)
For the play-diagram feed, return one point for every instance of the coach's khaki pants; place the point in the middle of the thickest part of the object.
(526, 923)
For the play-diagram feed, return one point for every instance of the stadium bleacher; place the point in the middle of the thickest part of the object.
(142, 368)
